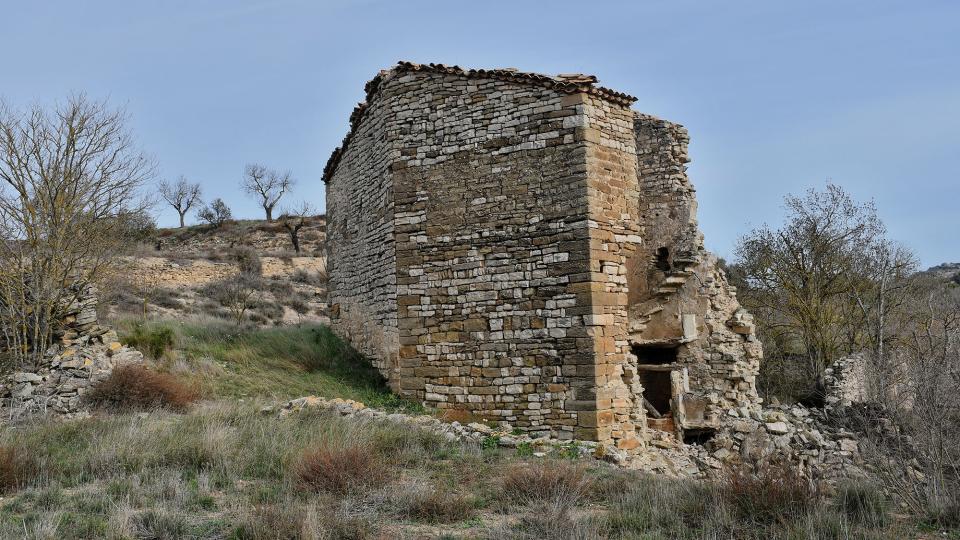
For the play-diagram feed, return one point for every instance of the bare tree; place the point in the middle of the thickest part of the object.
(267, 186)
(242, 293)
(181, 195)
(293, 220)
(216, 213)
(918, 389)
(69, 187)
(803, 279)
(243, 290)
(884, 293)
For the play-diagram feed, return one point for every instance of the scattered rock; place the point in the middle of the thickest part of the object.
(778, 428)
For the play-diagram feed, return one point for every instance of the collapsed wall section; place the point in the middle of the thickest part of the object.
(685, 321)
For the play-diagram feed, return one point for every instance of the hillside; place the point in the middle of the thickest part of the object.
(267, 238)
(244, 463)
(190, 273)
(945, 271)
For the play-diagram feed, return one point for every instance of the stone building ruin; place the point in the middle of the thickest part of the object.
(525, 248)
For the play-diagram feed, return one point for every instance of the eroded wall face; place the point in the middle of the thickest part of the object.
(492, 252)
(679, 298)
(361, 258)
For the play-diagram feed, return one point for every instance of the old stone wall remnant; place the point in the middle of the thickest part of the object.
(84, 353)
(525, 248)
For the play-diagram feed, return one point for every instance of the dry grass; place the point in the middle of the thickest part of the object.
(138, 388)
(557, 483)
(770, 493)
(341, 469)
(440, 506)
(17, 468)
(224, 470)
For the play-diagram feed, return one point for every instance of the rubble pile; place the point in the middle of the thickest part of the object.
(84, 354)
(795, 434)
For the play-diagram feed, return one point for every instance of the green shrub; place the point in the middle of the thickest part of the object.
(524, 449)
(154, 341)
(490, 442)
(569, 451)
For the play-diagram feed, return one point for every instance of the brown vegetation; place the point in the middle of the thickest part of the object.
(340, 469)
(138, 388)
(557, 483)
(16, 468)
(769, 493)
(436, 506)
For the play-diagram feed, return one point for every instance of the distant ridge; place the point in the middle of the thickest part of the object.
(945, 271)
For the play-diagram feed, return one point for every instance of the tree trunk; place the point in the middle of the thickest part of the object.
(295, 239)
(269, 211)
(182, 224)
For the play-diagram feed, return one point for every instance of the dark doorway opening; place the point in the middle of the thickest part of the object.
(698, 436)
(655, 356)
(657, 389)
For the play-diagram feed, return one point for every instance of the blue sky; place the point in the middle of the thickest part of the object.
(778, 96)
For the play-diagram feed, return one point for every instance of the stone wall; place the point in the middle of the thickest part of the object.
(517, 237)
(362, 289)
(84, 353)
(846, 382)
(679, 298)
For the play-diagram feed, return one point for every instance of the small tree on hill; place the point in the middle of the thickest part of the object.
(181, 195)
(216, 213)
(243, 290)
(266, 186)
(294, 219)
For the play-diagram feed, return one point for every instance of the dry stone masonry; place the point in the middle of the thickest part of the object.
(84, 353)
(525, 248)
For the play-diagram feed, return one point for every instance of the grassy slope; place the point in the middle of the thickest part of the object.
(271, 363)
(225, 470)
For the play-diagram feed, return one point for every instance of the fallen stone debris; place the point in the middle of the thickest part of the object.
(796, 434)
